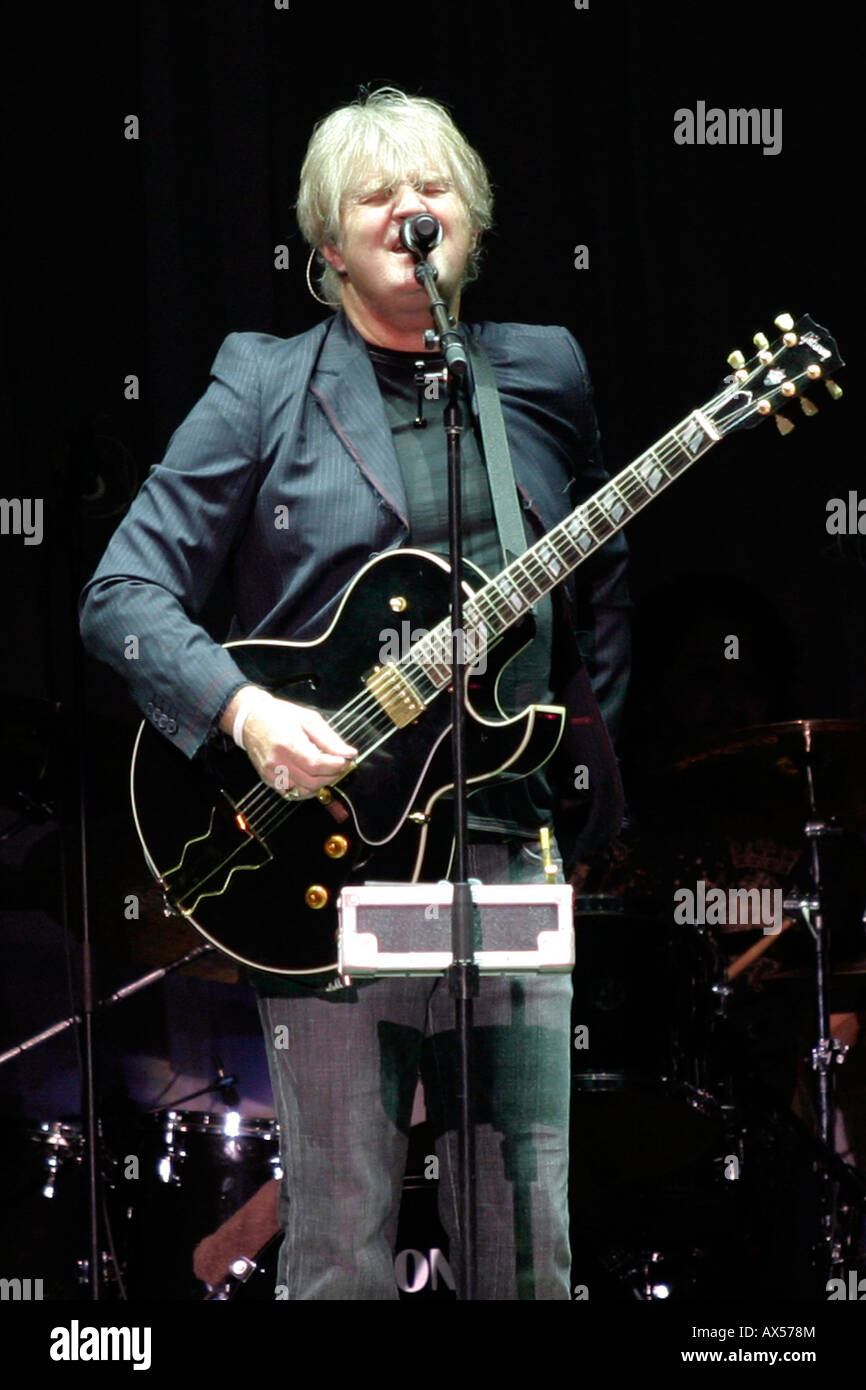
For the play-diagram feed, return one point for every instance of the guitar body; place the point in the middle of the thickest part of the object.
(260, 876)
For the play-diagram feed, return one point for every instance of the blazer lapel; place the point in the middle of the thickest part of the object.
(345, 385)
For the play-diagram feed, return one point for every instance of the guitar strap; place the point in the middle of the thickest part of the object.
(497, 456)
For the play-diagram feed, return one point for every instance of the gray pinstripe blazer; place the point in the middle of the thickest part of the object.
(299, 424)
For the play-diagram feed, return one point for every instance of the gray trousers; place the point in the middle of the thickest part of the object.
(343, 1091)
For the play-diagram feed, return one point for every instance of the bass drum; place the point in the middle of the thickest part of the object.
(644, 1078)
(196, 1170)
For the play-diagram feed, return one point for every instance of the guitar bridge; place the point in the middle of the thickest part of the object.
(396, 695)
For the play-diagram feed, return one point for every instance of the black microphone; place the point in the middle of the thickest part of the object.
(419, 234)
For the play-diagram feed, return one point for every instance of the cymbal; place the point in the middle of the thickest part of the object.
(840, 972)
(755, 779)
(796, 737)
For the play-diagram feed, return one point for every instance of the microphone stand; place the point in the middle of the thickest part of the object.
(18, 1049)
(463, 972)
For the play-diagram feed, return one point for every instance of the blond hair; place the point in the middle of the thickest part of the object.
(391, 137)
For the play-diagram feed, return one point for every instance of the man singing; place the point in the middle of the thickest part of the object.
(323, 425)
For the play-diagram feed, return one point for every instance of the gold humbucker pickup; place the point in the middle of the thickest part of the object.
(398, 698)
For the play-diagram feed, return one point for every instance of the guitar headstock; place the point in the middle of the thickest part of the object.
(804, 357)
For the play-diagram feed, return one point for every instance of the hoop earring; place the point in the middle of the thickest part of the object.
(311, 287)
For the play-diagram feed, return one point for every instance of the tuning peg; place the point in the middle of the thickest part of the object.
(783, 424)
(736, 360)
(761, 340)
(785, 322)
(765, 356)
(788, 389)
(790, 339)
(834, 388)
(808, 407)
(813, 371)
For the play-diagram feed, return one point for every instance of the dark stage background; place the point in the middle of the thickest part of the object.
(137, 256)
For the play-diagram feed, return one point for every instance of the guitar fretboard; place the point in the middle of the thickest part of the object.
(504, 600)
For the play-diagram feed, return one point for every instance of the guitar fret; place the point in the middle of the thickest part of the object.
(565, 546)
(512, 594)
(614, 505)
(596, 519)
(599, 522)
(474, 610)
(500, 612)
(623, 509)
(679, 457)
(522, 565)
(550, 559)
(429, 657)
(538, 572)
(423, 673)
(652, 474)
(652, 452)
(694, 436)
(638, 493)
(580, 532)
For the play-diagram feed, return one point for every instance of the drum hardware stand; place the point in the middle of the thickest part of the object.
(722, 993)
(241, 1269)
(220, 1083)
(827, 1053)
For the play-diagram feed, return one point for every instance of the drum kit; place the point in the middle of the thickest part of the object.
(705, 1125)
(706, 1134)
(191, 1215)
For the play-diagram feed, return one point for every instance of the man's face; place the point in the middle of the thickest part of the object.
(380, 274)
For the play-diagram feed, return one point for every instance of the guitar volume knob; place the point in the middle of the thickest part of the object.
(316, 896)
(336, 846)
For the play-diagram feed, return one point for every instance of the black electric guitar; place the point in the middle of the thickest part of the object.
(260, 874)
